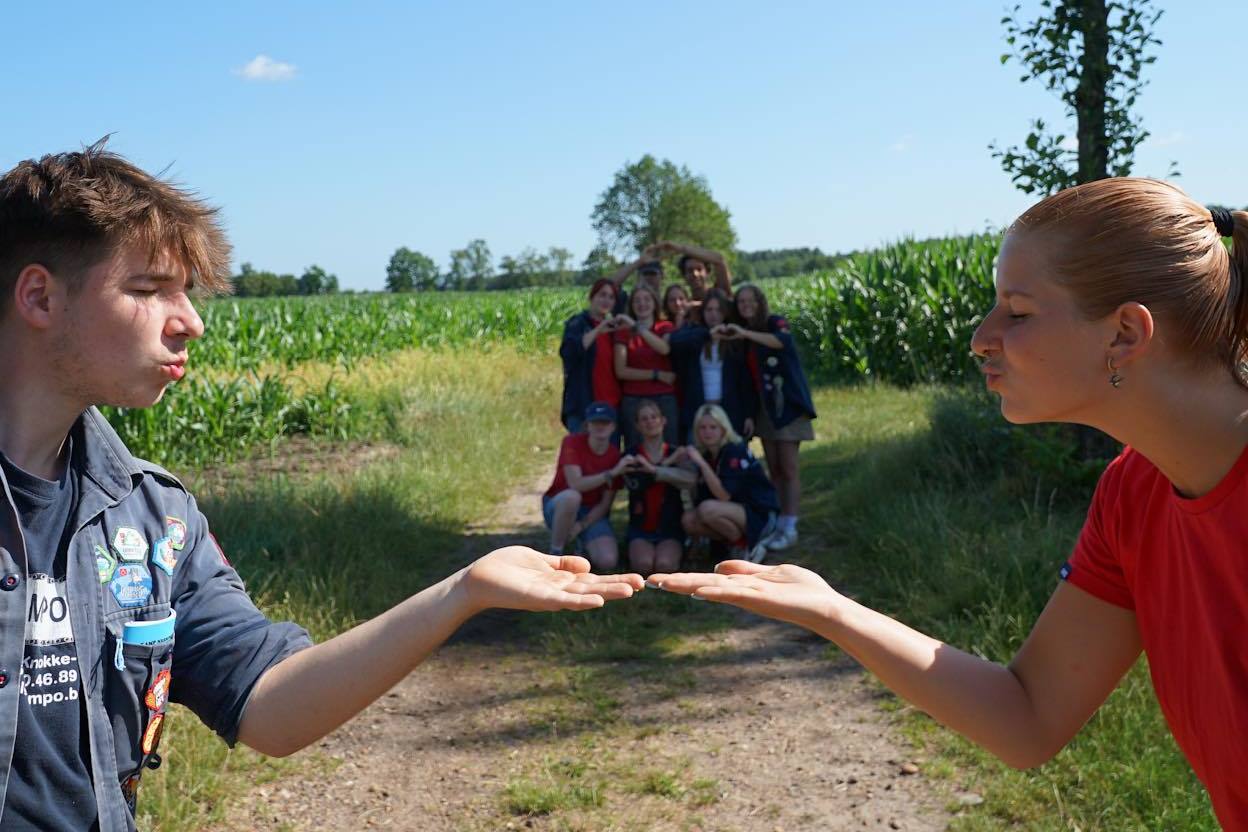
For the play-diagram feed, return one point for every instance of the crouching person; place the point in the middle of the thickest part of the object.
(577, 506)
(97, 263)
(735, 503)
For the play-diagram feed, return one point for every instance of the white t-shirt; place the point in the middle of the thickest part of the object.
(712, 374)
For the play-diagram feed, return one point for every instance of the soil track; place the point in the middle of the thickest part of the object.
(781, 736)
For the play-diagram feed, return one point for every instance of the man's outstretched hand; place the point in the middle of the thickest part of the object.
(520, 578)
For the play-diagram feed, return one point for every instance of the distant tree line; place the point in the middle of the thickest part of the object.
(252, 283)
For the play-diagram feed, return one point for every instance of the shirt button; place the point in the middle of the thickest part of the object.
(9, 582)
(4, 678)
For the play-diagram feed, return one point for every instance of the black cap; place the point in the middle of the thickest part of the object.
(650, 267)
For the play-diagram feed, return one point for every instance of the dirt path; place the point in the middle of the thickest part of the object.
(766, 733)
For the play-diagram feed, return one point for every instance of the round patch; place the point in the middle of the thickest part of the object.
(158, 694)
(151, 737)
(131, 585)
(105, 563)
(772, 361)
(130, 544)
(163, 555)
(175, 529)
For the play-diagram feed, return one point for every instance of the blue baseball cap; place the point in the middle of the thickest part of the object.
(599, 412)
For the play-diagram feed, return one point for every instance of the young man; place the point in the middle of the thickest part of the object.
(114, 597)
(696, 265)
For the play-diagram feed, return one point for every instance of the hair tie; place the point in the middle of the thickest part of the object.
(1223, 221)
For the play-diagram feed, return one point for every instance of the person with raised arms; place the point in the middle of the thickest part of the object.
(696, 265)
(1118, 306)
(114, 597)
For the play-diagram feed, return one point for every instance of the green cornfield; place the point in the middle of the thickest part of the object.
(902, 314)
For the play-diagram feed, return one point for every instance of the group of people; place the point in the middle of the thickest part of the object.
(1118, 305)
(684, 376)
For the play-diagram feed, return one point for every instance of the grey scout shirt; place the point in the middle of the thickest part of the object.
(138, 550)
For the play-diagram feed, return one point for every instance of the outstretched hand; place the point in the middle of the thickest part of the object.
(786, 592)
(520, 578)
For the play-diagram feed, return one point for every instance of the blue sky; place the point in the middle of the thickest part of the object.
(368, 126)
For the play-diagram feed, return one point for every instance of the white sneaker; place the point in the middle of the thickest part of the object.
(759, 552)
(782, 540)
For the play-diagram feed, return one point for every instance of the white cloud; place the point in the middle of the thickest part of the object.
(264, 68)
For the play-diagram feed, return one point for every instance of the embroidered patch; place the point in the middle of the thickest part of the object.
(105, 563)
(151, 737)
(132, 585)
(772, 361)
(130, 544)
(158, 694)
(163, 555)
(176, 531)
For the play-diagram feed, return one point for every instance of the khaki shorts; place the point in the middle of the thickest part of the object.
(799, 430)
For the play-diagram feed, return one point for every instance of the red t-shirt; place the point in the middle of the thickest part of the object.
(602, 380)
(575, 450)
(642, 356)
(1182, 566)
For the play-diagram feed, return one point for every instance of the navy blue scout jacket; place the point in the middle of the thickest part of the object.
(221, 646)
(578, 367)
(740, 398)
(780, 382)
(744, 479)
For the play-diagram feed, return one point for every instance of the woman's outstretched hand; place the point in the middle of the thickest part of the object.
(520, 578)
(786, 592)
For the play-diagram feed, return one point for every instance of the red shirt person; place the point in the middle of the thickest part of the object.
(577, 505)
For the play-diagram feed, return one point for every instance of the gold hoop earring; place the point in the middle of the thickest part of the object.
(1114, 378)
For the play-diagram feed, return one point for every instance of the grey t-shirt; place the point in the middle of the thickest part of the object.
(50, 781)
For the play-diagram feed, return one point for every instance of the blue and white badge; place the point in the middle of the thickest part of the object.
(163, 555)
(175, 529)
(130, 544)
(131, 585)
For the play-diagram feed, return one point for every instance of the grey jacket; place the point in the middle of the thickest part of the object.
(221, 645)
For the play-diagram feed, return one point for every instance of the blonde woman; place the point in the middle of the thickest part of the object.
(1118, 306)
(735, 503)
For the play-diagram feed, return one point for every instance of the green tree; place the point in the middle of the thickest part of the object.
(1090, 53)
(411, 271)
(252, 283)
(316, 281)
(471, 266)
(651, 200)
